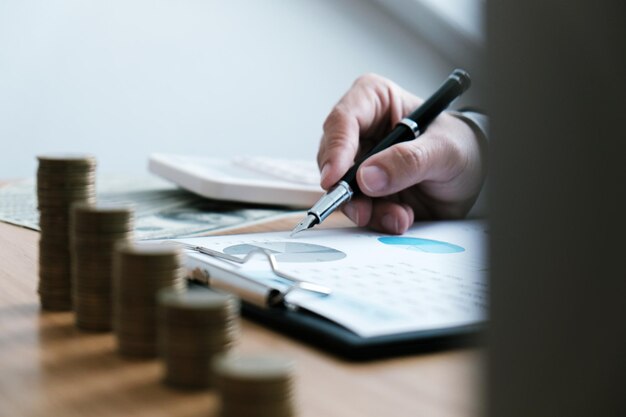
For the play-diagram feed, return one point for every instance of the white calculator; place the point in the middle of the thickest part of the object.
(247, 179)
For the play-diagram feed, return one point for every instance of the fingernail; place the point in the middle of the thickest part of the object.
(350, 211)
(390, 223)
(374, 179)
(324, 172)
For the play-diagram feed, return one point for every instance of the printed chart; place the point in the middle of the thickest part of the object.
(290, 251)
(421, 245)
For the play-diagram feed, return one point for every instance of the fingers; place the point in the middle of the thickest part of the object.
(382, 215)
(431, 157)
(390, 217)
(359, 210)
(373, 103)
(339, 146)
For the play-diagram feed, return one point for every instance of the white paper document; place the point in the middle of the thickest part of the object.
(432, 277)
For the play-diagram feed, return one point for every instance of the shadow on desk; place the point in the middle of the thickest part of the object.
(70, 358)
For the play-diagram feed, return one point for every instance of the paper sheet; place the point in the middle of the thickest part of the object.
(434, 276)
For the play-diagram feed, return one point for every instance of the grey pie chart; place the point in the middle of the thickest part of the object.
(290, 251)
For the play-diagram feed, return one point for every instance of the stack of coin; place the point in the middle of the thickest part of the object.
(194, 327)
(62, 180)
(260, 386)
(95, 230)
(141, 270)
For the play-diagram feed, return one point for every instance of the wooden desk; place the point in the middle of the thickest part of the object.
(49, 368)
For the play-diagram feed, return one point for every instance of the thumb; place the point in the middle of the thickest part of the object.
(406, 164)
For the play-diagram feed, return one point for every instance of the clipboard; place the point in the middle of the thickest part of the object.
(269, 304)
(332, 338)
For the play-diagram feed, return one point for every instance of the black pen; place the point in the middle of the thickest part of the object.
(407, 129)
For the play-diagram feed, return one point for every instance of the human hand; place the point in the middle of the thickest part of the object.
(436, 176)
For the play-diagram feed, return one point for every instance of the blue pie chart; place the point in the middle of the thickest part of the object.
(421, 245)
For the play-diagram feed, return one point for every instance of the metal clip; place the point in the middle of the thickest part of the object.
(278, 296)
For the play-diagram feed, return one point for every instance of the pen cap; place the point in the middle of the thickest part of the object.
(463, 78)
(458, 81)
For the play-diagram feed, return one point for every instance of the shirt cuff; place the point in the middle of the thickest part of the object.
(477, 121)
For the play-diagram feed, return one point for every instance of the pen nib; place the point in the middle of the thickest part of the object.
(306, 223)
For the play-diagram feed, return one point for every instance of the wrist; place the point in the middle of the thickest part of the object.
(479, 123)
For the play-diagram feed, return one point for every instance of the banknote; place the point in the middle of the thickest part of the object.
(162, 210)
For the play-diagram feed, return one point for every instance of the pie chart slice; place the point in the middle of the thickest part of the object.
(290, 251)
(421, 245)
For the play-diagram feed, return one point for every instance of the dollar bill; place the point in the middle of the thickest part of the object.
(162, 210)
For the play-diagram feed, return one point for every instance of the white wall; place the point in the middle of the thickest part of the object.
(122, 79)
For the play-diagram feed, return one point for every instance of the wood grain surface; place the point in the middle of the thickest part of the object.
(49, 368)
